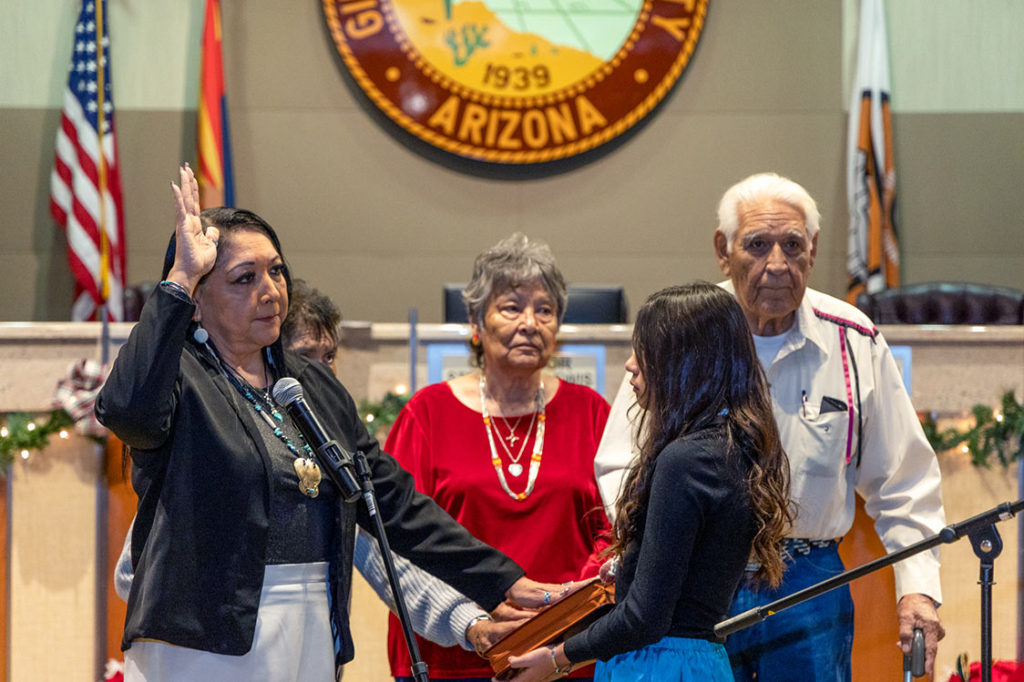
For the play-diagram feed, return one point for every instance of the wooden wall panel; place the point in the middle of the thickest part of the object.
(875, 656)
(5, 573)
(53, 574)
(121, 504)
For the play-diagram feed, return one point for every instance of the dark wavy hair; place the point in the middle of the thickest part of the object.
(701, 371)
(514, 261)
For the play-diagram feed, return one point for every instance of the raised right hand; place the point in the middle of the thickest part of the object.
(195, 251)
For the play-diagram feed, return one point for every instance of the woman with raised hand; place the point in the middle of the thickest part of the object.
(242, 548)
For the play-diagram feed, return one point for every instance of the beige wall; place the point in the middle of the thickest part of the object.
(379, 228)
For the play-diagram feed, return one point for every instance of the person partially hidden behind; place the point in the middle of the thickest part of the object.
(311, 327)
(708, 494)
(241, 548)
(847, 424)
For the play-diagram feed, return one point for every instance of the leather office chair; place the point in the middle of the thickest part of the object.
(945, 303)
(135, 296)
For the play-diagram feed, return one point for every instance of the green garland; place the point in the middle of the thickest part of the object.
(1000, 433)
(25, 433)
(379, 416)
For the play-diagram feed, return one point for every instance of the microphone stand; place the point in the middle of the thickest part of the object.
(339, 464)
(985, 541)
(419, 668)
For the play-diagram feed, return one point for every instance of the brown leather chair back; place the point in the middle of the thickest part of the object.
(135, 297)
(945, 303)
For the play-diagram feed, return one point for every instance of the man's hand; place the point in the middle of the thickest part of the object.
(918, 611)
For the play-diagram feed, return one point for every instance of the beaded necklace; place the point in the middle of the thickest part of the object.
(306, 467)
(538, 444)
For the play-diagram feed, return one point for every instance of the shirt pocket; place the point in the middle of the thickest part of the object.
(821, 440)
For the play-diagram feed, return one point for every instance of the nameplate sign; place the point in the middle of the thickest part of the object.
(576, 363)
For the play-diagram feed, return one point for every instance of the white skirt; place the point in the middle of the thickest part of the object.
(292, 642)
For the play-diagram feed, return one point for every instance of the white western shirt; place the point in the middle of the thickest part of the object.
(813, 386)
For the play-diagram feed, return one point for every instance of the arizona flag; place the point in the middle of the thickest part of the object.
(85, 186)
(216, 184)
(873, 262)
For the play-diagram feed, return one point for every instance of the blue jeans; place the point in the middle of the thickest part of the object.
(811, 641)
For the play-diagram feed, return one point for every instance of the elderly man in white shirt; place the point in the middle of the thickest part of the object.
(846, 423)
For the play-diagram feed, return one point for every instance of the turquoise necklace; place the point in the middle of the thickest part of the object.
(305, 465)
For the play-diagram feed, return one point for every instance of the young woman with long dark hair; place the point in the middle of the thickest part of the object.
(708, 494)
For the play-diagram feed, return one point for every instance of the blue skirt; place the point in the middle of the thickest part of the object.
(667, 660)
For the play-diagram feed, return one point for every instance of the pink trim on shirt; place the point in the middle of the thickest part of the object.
(871, 332)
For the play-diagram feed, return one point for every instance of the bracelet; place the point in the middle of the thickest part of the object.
(558, 670)
(176, 289)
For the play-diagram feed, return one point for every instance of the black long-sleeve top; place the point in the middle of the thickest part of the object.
(678, 578)
(203, 476)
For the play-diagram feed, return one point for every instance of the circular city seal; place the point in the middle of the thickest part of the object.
(515, 81)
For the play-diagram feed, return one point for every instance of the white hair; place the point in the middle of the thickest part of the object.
(761, 188)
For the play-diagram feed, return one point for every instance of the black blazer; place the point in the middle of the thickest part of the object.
(202, 474)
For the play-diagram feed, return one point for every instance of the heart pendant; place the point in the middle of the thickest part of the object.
(515, 469)
(309, 476)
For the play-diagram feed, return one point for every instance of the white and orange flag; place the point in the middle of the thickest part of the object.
(873, 261)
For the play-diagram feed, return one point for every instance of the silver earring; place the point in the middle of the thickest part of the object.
(201, 335)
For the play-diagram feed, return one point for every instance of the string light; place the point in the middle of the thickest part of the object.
(380, 415)
(996, 432)
(22, 433)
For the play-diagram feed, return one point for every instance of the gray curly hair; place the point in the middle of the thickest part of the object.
(512, 262)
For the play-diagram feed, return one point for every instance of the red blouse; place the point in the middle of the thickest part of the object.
(555, 534)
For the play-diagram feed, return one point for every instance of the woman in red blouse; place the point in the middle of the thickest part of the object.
(508, 450)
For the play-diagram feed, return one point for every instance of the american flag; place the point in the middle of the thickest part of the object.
(85, 186)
